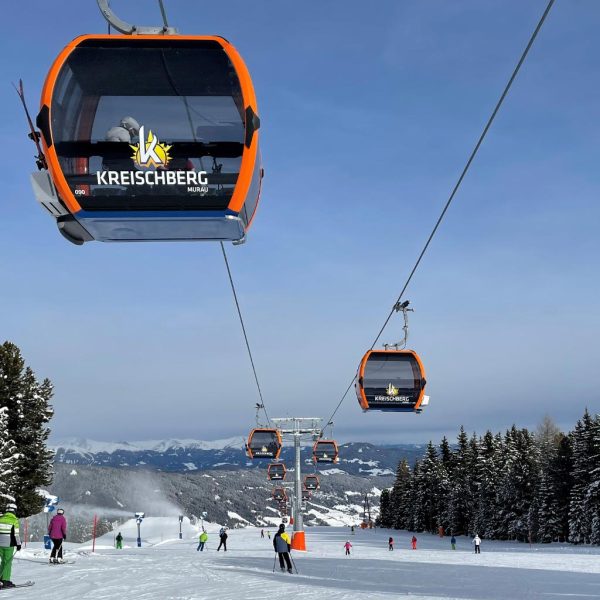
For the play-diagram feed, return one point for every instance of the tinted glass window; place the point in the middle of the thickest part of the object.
(392, 379)
(149, 128)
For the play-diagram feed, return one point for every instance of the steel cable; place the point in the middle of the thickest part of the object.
(237, 305)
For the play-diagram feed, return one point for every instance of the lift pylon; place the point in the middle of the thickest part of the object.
(296, 428)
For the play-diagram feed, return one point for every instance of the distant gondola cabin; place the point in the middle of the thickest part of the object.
(311, 482)
(264, 443)
(325, 451)
(276, 472)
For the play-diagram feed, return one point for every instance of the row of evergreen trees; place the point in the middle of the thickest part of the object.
(25, 461)
(542, 486)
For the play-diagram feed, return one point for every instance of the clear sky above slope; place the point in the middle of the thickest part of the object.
(369, 111)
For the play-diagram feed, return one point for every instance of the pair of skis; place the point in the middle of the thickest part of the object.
(16, 585)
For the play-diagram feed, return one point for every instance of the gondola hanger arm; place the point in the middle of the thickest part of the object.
(129, 28)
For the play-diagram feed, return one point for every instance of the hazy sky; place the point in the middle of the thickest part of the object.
(368, 111)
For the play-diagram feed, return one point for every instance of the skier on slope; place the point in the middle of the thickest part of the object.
(9, 540)
(202, 540)
(477, 544)
(222, 539)
(119, 540)
(282, 545)
(453, 542)
(262, 533)
(58, 534)
(391, 543)
(347, 546)
(414, 542)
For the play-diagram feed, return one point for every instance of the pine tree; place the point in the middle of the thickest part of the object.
(386, 517)
(431, 484)
(8, 461)
(546, 513)
(459, 504)
(28, 405)
(400, 497)
(487, 474)
(579, 519)
(592, 496)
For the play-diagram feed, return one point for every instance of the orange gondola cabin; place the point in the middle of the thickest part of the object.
(149, 138)
(325, 451)
(391, 380)
(276, 472)
(264, 443)
(311, 482)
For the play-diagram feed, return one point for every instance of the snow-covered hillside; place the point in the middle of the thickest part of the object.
(356, 458)
(166, 568)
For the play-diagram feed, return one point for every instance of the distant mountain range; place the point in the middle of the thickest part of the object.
(356, 458)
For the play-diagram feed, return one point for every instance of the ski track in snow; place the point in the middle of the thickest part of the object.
(167, 568)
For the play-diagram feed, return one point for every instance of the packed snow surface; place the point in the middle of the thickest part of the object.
(166, 568)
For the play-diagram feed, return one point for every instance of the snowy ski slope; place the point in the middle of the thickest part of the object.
(166, 568)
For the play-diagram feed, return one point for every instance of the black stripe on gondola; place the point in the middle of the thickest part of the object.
(143, 203)
(142, 42)
(123, 150)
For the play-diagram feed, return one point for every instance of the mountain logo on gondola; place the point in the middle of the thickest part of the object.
(149, 152)
(391, 390)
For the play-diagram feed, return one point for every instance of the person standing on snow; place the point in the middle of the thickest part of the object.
(58, 534)
(222, 539)
(202, 540)
(262, 533)
(348, 545)
(391, 543)
(268, 534)
(414, 542)
(119, 540)
(282, 545)
(9, 540)
(453, 542)
(477, 544)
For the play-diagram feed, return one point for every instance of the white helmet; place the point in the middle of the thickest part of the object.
(11, 507)
(118, 134)
(131, 125)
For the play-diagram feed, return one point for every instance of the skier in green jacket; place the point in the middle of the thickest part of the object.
(9, 540)
(119, 540)
(203, 539)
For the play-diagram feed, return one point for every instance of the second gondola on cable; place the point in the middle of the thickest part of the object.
(391, 380)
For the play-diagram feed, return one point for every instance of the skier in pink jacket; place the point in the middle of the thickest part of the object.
(348, 545)
(58, 534)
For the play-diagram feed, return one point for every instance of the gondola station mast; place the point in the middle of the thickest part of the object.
(296, 429)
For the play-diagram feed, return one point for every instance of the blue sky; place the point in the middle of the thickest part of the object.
(368, 111)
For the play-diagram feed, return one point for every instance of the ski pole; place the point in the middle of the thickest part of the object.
(294, 563)
(274, 561)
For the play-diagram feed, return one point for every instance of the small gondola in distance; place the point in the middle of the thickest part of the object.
(276, 472)
(280, 495)
(391, 380)
(149, 138)
(264, 442)
(311, 482)
(325, 451)
(306, 495)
